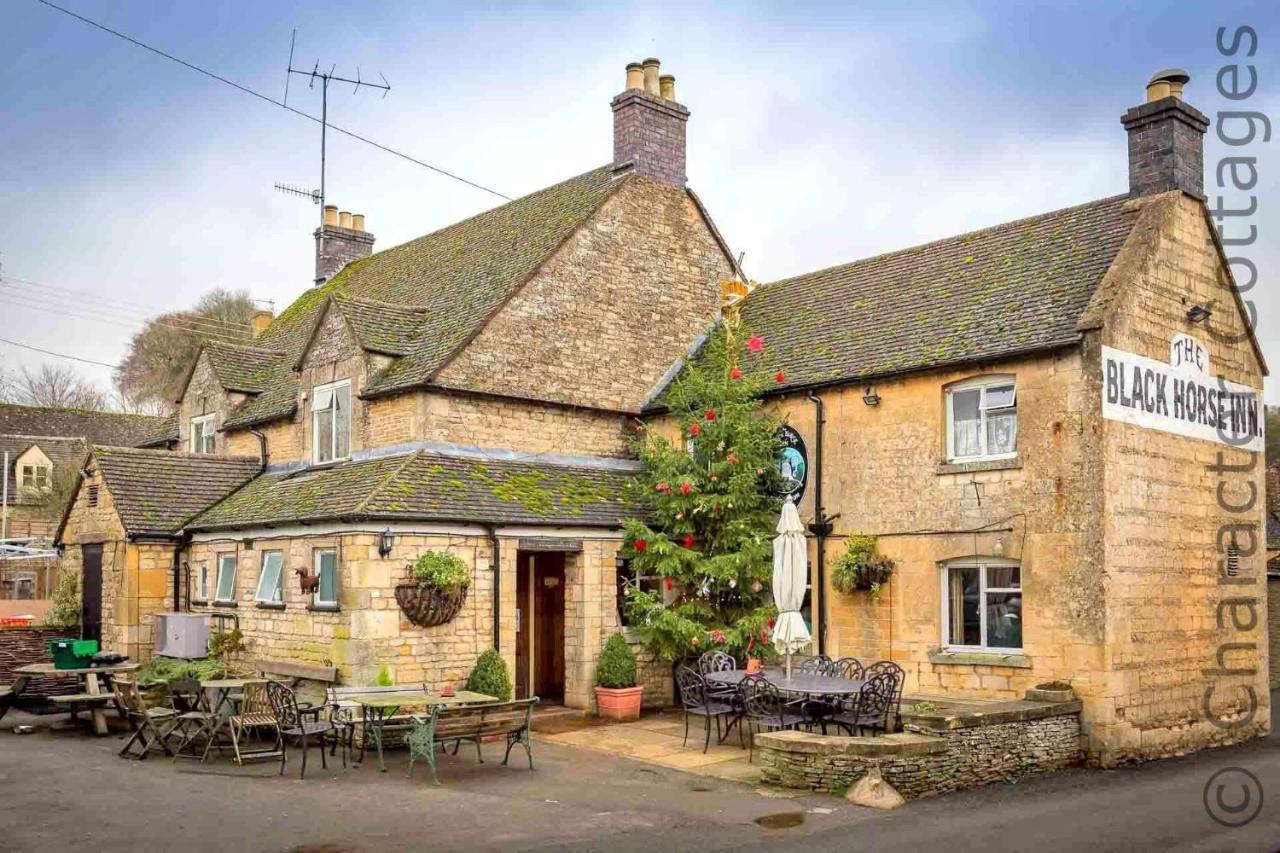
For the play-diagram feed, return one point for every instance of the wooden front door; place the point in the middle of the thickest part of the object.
(91, 587)
(540, 628)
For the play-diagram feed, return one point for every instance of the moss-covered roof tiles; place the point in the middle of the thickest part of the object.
(441, 288)
(1012, 288)
(157, 491)
(425, 485)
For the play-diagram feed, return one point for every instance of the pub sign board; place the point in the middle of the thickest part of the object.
(793, 464)
(1181, 397)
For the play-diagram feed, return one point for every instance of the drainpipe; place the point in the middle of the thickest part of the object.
(262, 449)
(497, 587)
(177, 576)
(821, 527)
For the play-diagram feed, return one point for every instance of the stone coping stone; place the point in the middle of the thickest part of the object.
(899, 744)
(993, 714)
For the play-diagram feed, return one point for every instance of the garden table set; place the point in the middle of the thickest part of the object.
(378, 709)
(92, 694)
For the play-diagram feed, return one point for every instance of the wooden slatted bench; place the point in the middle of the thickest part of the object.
(77, 702)
(296, 671)
(471, 723)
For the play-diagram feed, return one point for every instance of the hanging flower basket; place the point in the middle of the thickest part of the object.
(861, 568)
(427, 606)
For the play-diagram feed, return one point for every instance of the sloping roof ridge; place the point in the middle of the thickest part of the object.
(922, 247)
(156, 453)
(213, 343)
(71, 410)
(37, 438)
(342, 297)
(385, 481)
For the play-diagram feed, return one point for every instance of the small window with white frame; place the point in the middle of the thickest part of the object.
(271, 578)
(982, 419)
(331, 422)
(202, 434)
(982, 606)
(226, 589)
(326, 569)
(35, 477)
(202, 582)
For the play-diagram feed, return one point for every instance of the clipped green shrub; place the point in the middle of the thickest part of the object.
(441, 570)
(160, 670)
(617, 665)
(490, 676)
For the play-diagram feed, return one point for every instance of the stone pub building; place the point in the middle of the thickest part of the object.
(1050, 425)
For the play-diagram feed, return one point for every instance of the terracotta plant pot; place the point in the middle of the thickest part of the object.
(621, 703)
(754, 665)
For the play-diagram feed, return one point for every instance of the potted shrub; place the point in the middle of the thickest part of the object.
(861, 568)
(617, 694)
(437, 591)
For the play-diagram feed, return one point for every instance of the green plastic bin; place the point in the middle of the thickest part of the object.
(71, 653)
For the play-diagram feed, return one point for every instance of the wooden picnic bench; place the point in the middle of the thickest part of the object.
(10, 693)
(454, 723)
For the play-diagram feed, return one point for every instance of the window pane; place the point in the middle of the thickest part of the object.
(1003, 577)
(966, 424)
(322, 399)
(341, 421)
(963, 594)
(202, 582)
(324, 435)
(999, 397)
(226, 577)
(1004, 620)
(28, 475)
(269, 581)
(42, 477)
(1002, 431)
(328, 572)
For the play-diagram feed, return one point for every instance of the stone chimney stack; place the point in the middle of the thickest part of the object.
(261, 320)
(339, 241)
(1166, 139)
(649, 125)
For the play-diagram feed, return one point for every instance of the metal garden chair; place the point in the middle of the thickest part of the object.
(718, 662)
(291, 723)
(869, 708)
(764, 708)
(699, 702)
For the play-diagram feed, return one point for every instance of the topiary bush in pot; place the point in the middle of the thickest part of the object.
(617, 694)
(490, 676)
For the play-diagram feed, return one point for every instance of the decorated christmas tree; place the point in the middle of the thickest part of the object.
(712, 511)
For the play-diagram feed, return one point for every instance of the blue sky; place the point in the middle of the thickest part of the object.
(820, 133)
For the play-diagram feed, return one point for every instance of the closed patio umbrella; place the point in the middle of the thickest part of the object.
(790, 576)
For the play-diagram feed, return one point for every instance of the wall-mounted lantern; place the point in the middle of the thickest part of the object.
(870, 397)
(385, 541)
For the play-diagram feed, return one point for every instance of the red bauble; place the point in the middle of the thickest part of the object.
(755, 343)
(731, 458)
(779, 377)
(695, 429)
(666, 582)
(735, 374)
(711, 414)
(685, 488)
(639, 544)
(688, 540)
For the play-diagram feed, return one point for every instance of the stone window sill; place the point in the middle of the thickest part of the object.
(202, 602)
(268, 605)
(217, 603)
(946, 658)
(1010, 464)
(324, 608)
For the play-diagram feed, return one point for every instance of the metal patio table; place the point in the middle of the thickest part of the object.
(376, 709)
(799, 684)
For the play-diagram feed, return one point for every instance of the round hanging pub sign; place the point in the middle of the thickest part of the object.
(793, 465)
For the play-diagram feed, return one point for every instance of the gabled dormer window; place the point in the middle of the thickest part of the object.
(331, 422)
(35, 477)
(202, 434)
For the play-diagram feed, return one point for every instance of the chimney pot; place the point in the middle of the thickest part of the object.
(635, 75)
(339, 241)
(357, 221)
(1167, 83)
(344, 219)
(651, 67)
(667, 86)
(330, 214)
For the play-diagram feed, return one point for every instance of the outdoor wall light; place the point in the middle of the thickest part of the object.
(871, 398)
(1198, 314)
(385, 541)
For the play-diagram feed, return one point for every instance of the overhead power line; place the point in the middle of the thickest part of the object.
(270, 100)
(54, 354)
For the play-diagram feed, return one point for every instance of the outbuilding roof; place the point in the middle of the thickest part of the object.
(1009, 289)
(64, 453)
(94, 427)
(158, 491)
(446, 285)
(428, 485)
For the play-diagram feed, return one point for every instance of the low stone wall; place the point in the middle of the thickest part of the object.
(935, 755)
(22, 646)
(655, 676)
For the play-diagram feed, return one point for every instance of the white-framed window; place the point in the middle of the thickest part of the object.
(202, 582)
(982, 419)
(271, 578)
(202, 434)
(326, 569)
(35, 476)
(331, 422)
(226, 590)
(982, 605)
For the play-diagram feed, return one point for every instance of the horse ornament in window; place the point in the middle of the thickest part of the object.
(309, 583)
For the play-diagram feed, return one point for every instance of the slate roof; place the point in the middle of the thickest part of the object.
(158, 491)
(1010, 289)
(95, 427)
(64, 453)
(427, 485)
(242, 368)
(447, 284)
(165, 432)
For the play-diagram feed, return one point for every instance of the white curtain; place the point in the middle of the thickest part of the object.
(790, 577)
